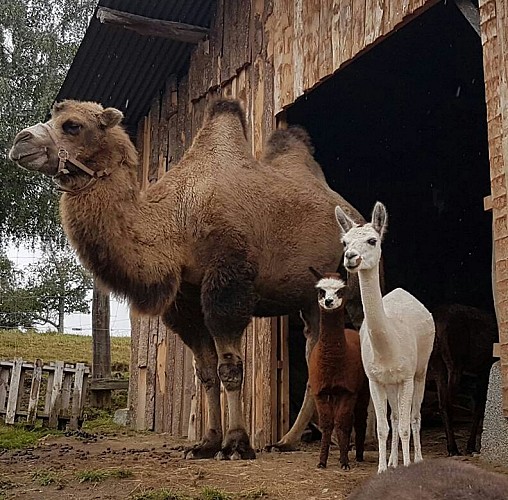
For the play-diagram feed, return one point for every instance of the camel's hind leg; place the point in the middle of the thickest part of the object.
(416, 417)
(185, 318)
(291, 439)
(228, 301)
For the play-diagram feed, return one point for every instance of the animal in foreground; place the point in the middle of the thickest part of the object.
(435, 479)
(221, 237)
(336, 375)
(396, 336)
(464, 340)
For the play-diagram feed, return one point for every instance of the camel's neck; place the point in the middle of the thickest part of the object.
(375, 316)
(122, 238)
(331, 331)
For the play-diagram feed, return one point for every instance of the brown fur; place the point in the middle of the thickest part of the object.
(219, 238)
(339, 384)
(463, 343)
(436, 479)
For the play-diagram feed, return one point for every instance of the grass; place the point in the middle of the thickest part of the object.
(60, 347)
(206, 493)
(96, 475)
(47, 477)
(13, 437)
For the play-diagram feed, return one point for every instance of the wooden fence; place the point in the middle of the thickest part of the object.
(54, 393)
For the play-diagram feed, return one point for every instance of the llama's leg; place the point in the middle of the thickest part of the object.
(379, 398)
(324, 406)
(291, 439)
(185, 318)
(228, 301)
(391, 391)
(480, 400)
(344, 409)
(360, 420)
(416, 417)
(405, 396)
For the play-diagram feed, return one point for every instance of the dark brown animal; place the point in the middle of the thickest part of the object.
(463, 343)
(218, 239)
(336, 375)
(438, 479)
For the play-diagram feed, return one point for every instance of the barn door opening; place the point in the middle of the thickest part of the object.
(406, 124)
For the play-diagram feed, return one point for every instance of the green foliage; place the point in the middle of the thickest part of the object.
(97, 475)
(47, 477)
(44, 292)
(213, 494)
(162, 494)
(13, 437)
(38, 40)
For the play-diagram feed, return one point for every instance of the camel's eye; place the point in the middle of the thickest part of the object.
(372, 241)
(72, 128)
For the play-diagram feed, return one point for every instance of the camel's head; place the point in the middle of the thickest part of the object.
(79, 128)
(362, 244)
(332, 290)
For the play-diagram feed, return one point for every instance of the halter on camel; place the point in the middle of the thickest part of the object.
(63, 157)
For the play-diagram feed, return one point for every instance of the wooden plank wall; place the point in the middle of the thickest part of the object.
(494, 31)
(267, 54)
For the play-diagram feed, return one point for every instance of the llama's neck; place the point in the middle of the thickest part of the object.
(375, 316)
(331, 328)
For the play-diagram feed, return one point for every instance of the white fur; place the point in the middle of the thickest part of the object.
(397, 336)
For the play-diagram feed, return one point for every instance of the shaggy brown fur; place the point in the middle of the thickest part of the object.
(464, 340)
(438, 479)
(219, 238)
(338, 381)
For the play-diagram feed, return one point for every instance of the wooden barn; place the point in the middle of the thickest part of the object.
(406, 101)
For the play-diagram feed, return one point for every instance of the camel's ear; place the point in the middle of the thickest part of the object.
(379, 218)
(315, 273)
(345, 223)
(110, 117)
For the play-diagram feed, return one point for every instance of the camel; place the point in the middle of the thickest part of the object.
(218, 239)
(397, 336)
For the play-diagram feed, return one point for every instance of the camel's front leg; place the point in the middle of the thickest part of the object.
(236, 443)
(391, 392)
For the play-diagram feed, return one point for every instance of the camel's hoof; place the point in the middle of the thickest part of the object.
(345, 467)
(454, 453)
(208, 448)
(282, 447)
(359, 457)
(321, 465)
(236, 447)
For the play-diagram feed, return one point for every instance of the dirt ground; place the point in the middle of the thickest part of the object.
(154, 463)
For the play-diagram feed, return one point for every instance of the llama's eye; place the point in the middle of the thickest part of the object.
(372, 241)
(321, 293)
(344, 242)
(71, 128)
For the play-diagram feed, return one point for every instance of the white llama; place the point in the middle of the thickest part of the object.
(396, 335)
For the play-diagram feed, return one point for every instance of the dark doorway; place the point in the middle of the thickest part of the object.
(406, 124)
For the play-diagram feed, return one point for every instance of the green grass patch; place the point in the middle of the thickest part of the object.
(253, 494)
(60, 347)
(47, 477)
(19, 436)
(97, 475)
(162, 494)
(97, 420)
(208, 493)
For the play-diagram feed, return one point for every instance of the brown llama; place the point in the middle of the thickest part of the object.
(435, 479)
(464, 339)
(336, 375)
(221, 237)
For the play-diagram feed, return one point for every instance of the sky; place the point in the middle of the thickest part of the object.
(80, 324)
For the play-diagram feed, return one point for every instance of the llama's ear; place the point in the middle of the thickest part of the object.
(345, 223)
(379, 218)
(315, 273)
(58, 106)
(110, 117)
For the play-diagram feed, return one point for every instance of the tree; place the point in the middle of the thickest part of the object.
(44, 292)
(38, 40)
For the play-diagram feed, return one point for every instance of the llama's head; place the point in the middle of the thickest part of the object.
(362, 244)
(332, 290)
(80, 130)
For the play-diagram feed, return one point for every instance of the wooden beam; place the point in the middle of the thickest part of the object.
(108, 384)
(496, 350)
(147, 26)
(471, 13)
(487, 203)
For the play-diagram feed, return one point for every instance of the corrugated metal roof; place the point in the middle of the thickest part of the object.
(117, 67)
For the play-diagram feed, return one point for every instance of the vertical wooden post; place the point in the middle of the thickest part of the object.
(12, 401)
(101, 350)
(34, 392)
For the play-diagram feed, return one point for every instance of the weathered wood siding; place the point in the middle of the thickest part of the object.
(494, 31)
(267, 53)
